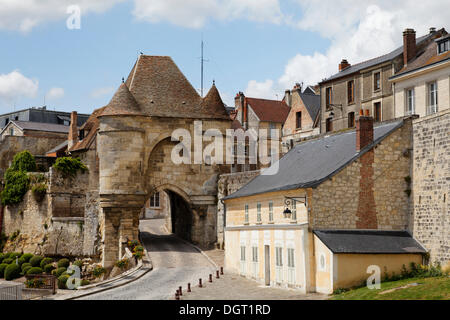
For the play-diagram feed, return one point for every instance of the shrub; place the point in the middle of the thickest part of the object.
(25, 270)
(8, 261)
(24, 161)
(138, 255)
(122, 264)
(21, 261)
(34, 283)
(36, 261)
(39, 191)
(63, 263)
(78, 263)
(98, 271)
(27, 256)
(12, 272)
(138, 249)
(6, 255)
(84, 282)
(2, 256)
(59, 271)
(62, 280)
(16, 186)
(2, 270)
(69, 167)
(3, 238)
(26, 264)
(45, 262)
(48, 268)
(14, 255)
(34, 270)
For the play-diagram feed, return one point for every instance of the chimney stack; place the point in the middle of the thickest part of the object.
(364, 132)
(287, 97)
(73, 131)
(343, 65)
(432, 30)
(409, 45)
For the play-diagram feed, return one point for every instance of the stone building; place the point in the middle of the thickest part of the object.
(431, 184)
(366, 85)
(326, 215)
(423, 86)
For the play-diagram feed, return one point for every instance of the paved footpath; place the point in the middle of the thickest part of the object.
(175, 263)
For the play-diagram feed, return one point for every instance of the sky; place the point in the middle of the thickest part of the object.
(260, 47)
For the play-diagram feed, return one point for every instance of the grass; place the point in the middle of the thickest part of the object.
(437, 288)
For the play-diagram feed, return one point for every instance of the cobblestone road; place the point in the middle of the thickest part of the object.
(175, 263)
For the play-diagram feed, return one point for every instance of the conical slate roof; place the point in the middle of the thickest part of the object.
(212, 103)
(122, 103)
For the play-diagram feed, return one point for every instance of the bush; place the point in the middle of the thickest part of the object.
(6, 255)
(63, 263)
(26, 264)
(2, 270)
(2, 256)
(25, 270)
(48, 268)
(98, 271)
(62, 280)
(34, 270)
(14, 255)
(27, 257)
(16, 186)
(69, 166)
(84, 282)
(59, 271)
(45, 262)
(8, 261)
(78, 263)
(12, 272)
(36, 261)
(39, 191)
(24, 161)
(21, 261)
(122, 264)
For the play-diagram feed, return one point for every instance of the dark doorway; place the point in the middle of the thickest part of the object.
(181, 216)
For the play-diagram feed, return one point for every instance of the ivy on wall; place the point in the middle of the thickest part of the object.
(69, 167)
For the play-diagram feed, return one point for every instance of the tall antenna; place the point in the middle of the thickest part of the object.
(202, 60)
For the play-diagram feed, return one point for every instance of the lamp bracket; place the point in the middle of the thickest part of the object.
(289, 200)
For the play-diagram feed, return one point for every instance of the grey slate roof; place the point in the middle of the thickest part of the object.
(369, 241)
(312, 162)
(39, 126)
(59, 147)
(312, 104)
(372, 62)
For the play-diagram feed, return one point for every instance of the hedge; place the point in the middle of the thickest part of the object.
(63, 263)
(59, 271)
(36, 261)
(45, 262)
(49, 268)
(27, 256)
(26, 264)
(2, 270)
(62, 280)
(34, 270)
(8, 261)
(25, 270)
(12, 272)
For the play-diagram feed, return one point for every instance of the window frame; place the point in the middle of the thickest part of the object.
(254, 254)
(298, 124)
(376, 86)
(156, 200)
(278, 256)
(258, 212)
(352, 125)
(375, 113)
(246, 215)
(351, 94)
(432, 108)
(412, 99)
(291, 257)
(270, 211)
(328, 97)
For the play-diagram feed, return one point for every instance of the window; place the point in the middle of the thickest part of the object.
(329, 125)
(242, 253)
(258, 212)
(376, 81)
(322, 262)
(294, 210)
(270, 211)
(246, 213)
(11, 131)
(81, 135)
(298, 120)
(279, 256)
(329, 96)
(409, 102)
(351, 119)
(291, 263)
(272, 126)
(351, 92)
(432, 98)
(377, 111)
(444, 46)
(66, 123)
(154, 200)
(255, 254)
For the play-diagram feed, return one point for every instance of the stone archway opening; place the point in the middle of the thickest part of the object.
(180, 218)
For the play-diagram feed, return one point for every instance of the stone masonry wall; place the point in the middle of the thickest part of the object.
(431, 184)
(335, 203)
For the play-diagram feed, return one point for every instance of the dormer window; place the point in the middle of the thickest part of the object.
(444, 46)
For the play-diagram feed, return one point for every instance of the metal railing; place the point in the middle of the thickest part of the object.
(11, 291)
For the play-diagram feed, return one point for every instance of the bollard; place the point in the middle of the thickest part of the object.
(180, 291)
(221, 270)
(200, 283)
(177, 297)
(210, 277)
(217, 274)
(189, 287)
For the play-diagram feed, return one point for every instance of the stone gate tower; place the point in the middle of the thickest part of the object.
(134, 151)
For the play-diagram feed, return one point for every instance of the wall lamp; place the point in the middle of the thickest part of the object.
(289, 200)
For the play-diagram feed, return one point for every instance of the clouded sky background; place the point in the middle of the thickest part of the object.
(261, 47)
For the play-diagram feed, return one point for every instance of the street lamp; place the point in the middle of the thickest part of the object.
(289, 200)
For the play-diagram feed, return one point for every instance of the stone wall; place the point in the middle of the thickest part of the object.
(339, 203)
(431, 184)
(228, 184)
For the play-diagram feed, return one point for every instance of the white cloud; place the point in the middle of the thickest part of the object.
(101, 92)
(23, 15)
(358, 31)
(195, 13)
(15, 85)
(55, 93)
(264, 90)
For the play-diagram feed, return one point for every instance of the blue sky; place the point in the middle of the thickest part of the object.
(260, 48)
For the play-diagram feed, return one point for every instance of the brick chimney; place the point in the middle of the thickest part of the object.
(287, 97)
(409, 45)
(73, 131)
(343, 65)
(364, 132)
